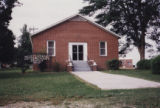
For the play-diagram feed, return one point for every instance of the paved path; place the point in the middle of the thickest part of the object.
(107, 81)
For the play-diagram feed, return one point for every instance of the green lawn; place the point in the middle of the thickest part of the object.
(36, 86)
(144, 74)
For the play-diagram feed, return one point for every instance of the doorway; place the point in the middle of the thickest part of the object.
(78, 51)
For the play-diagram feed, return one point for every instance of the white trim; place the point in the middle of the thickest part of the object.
(54, 54)
(104, 48)
(101, 27)
(70, 53)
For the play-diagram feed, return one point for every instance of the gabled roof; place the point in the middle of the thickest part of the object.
(60, 22)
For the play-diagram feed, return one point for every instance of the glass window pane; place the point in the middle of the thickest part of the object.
(80, 48)
(74, 56)
(74, 48)
(102, 51)
(80, 56)
(50, 51)
(50, 44)
(102, 44)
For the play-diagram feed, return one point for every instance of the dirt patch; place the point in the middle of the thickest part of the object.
(48, 105)
(92, 103)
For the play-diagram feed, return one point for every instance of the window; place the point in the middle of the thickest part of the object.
(103, 48)
(51, 48)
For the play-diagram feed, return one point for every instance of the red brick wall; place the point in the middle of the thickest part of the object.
(77, 31)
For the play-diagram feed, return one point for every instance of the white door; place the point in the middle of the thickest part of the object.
(78, 51)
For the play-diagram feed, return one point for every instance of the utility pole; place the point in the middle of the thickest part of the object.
(33, 29)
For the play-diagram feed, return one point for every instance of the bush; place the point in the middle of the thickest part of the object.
(113, 64)
(43, 65)
(24, 65)
(24, 68)
(56, 67)
(155, 65)
(144, 64)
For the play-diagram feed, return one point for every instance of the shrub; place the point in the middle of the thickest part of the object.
(43, 65)
(24, 68)
(155, 65)
(56, 67)
(144, 64)
(24, 65)
(113, 64)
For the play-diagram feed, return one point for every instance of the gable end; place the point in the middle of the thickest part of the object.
(77, 18)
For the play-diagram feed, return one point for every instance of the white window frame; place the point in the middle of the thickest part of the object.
(54, 48)
(103, 48)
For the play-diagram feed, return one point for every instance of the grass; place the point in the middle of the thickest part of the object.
(144, 74)
(41, 85)
(36, 86)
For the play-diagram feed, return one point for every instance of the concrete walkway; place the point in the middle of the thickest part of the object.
(107, 81)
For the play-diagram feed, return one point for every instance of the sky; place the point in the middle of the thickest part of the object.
(42, 13)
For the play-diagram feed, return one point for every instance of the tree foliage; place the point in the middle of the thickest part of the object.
(25, 46)
(134, 19)
(6, 46)
(6, 35)
(6, 7)
(25, 41)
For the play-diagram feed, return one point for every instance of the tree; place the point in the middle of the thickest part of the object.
(25, 46)
(24, 49)
(134, 19)
(25, 41)
(6, 35)
(6, 46)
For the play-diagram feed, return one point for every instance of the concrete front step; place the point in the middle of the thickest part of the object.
(81, 66)
(82, 69)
